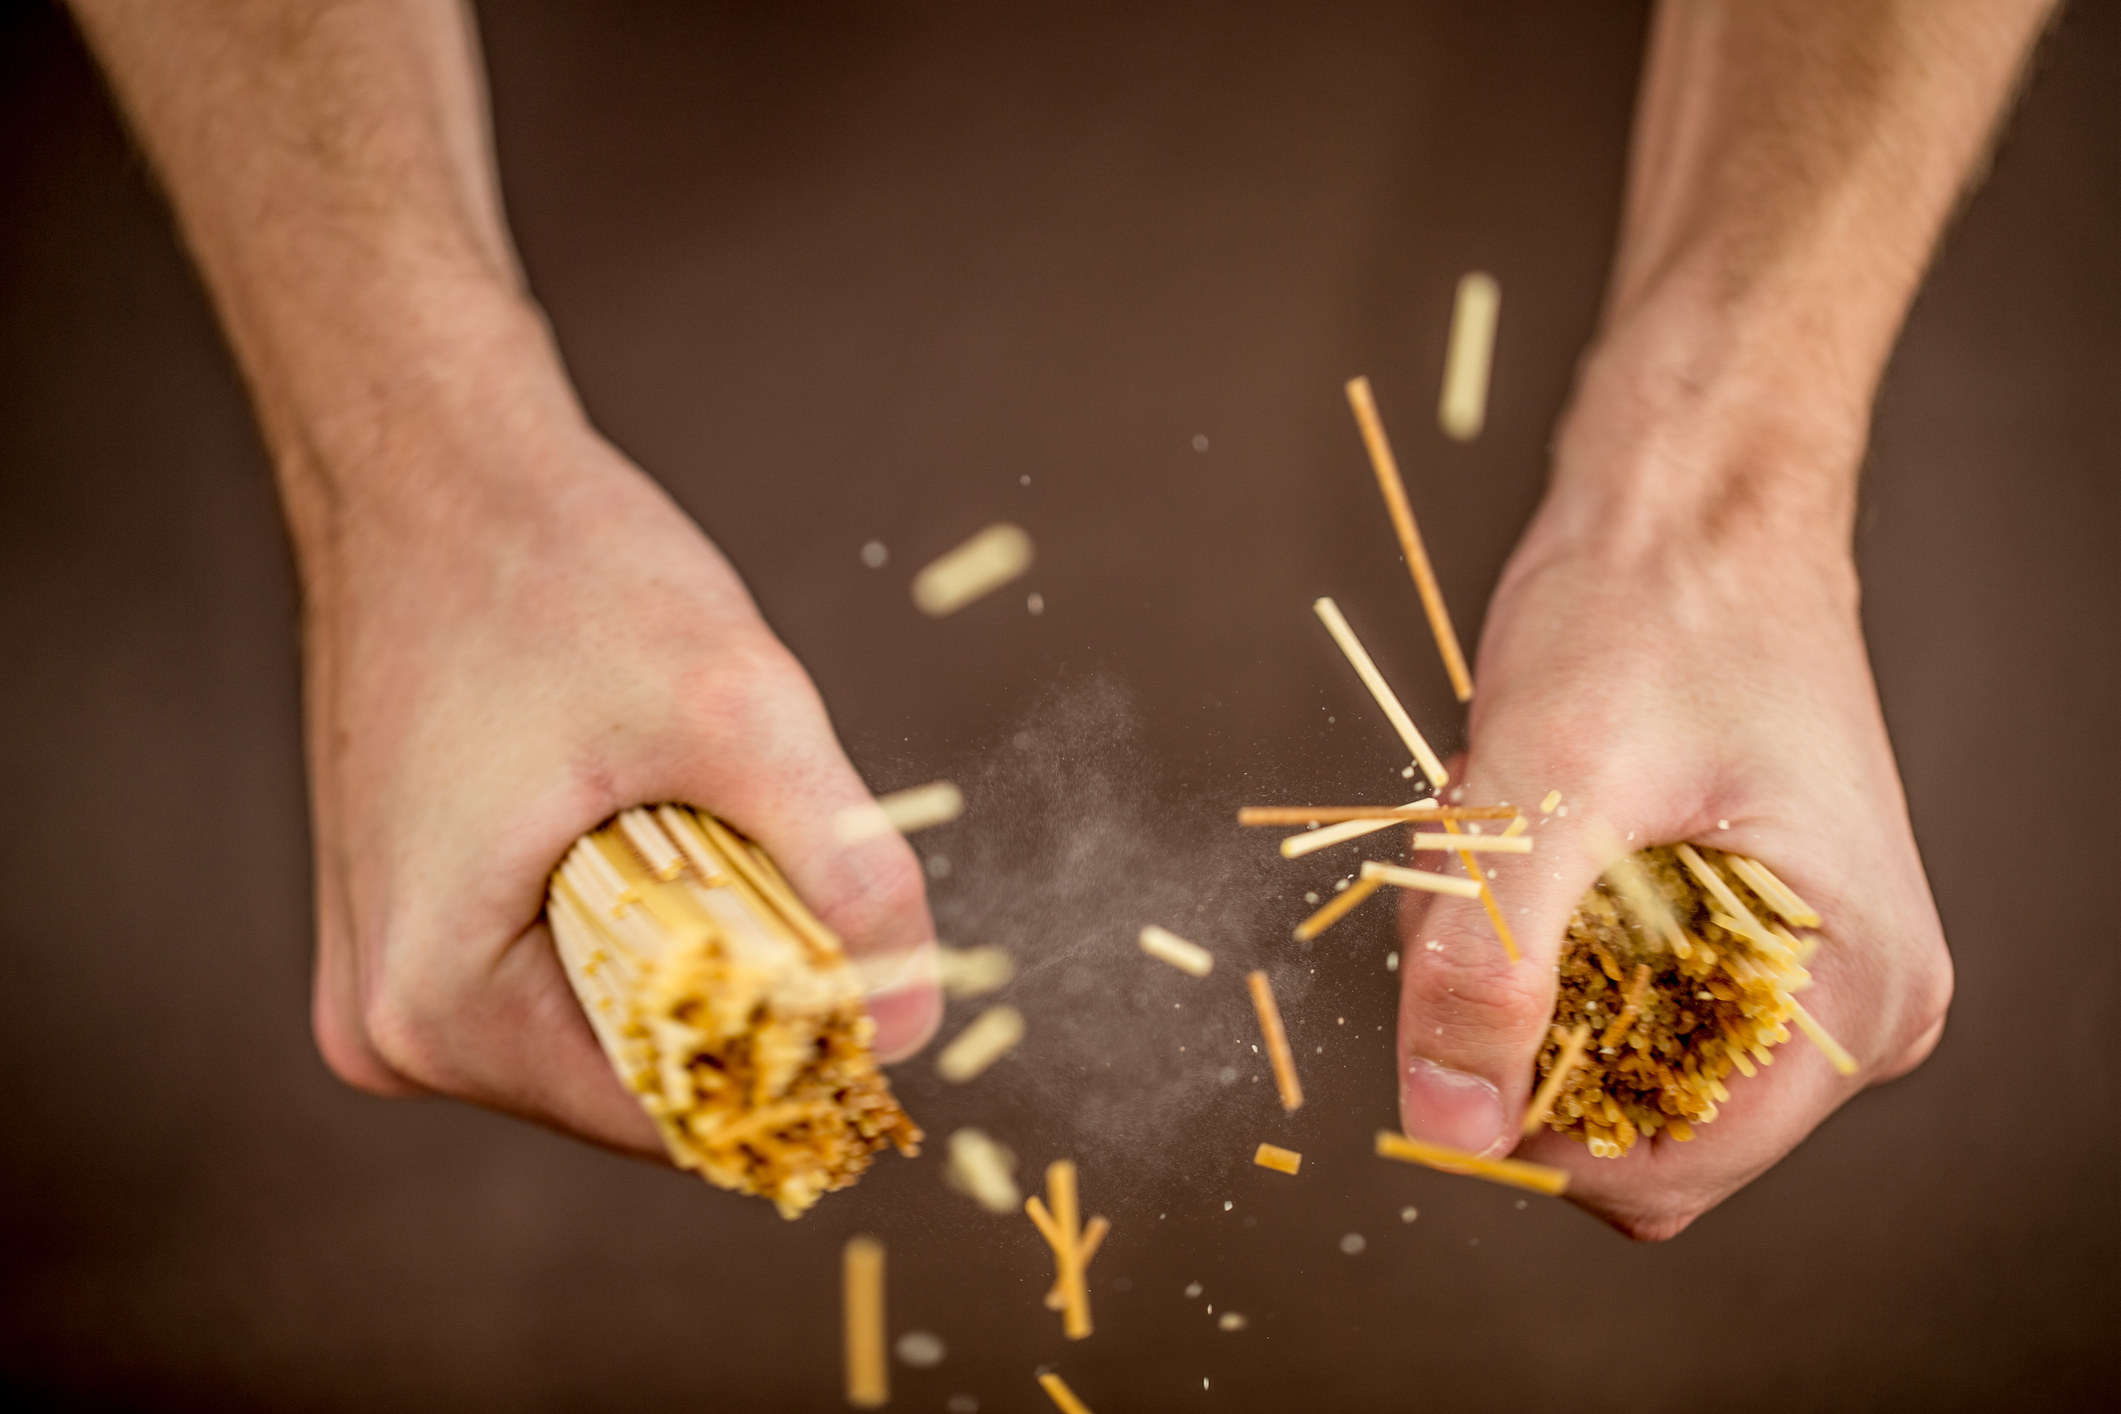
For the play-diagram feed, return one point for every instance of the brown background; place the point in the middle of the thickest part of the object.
(842, 273)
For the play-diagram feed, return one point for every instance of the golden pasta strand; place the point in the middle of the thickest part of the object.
(1382, 462)
(1292, 1092)
(862, 1275)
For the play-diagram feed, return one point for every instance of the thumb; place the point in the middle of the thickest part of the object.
(786, 783)
(1471, 1020)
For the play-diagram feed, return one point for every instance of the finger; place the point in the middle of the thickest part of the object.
(336, 991)
(1472, 1020)
(515, 1040)
(775, 770)
(1655, 1190)
(335, 1020)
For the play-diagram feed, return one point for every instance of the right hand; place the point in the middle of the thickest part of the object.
(512, 634)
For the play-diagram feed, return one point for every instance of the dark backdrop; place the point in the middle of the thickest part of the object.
(842, 273)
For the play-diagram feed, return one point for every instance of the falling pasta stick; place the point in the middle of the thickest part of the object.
(862, 1274)
(1070, 1255)
(985, 1041)
(1273, 1156)
(1292, 1092)
(984, 1170)
(1550, 1089)
(1339, 908)
(1419, 813)
(915, 808)
(1462, 409)
(1094, 1233)
(1166, 946)
(1517, 826)
(1067, 1219)
(1630, 1007)
(885, 973)
(1487, 895)
(1042, 1219)
(1359, 658)
(1063, 1398)
(1516, 1172)
(1833, 1049)
(1420, 879)
(1395, 493)
(1778, 895)
(1297, 846)
(1472, 844)
(973, 972)
(982, 564)
(1546, 806)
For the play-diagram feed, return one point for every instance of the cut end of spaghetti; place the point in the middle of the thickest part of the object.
(1668, 964)
(724, 1005)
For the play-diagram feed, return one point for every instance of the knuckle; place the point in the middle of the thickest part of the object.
(1455, 977)
(1658, 1222)
(748, 690)
(1924, 1009)
(404, 1036)
(351, 1060)
(1931, 998)
(337, 1026)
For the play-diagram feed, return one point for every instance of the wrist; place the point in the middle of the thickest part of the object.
(1692, 424)
(413, 415)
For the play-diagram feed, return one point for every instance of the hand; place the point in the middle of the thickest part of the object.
(512, 634)
(1683, 665)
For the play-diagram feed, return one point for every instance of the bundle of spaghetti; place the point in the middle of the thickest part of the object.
(725, 1005)
(1677, 968)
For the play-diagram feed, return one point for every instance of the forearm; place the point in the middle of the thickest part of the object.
(330, 167)
(1794, 164)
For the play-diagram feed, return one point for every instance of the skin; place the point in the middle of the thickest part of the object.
(511, 633)
(1675, 645)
